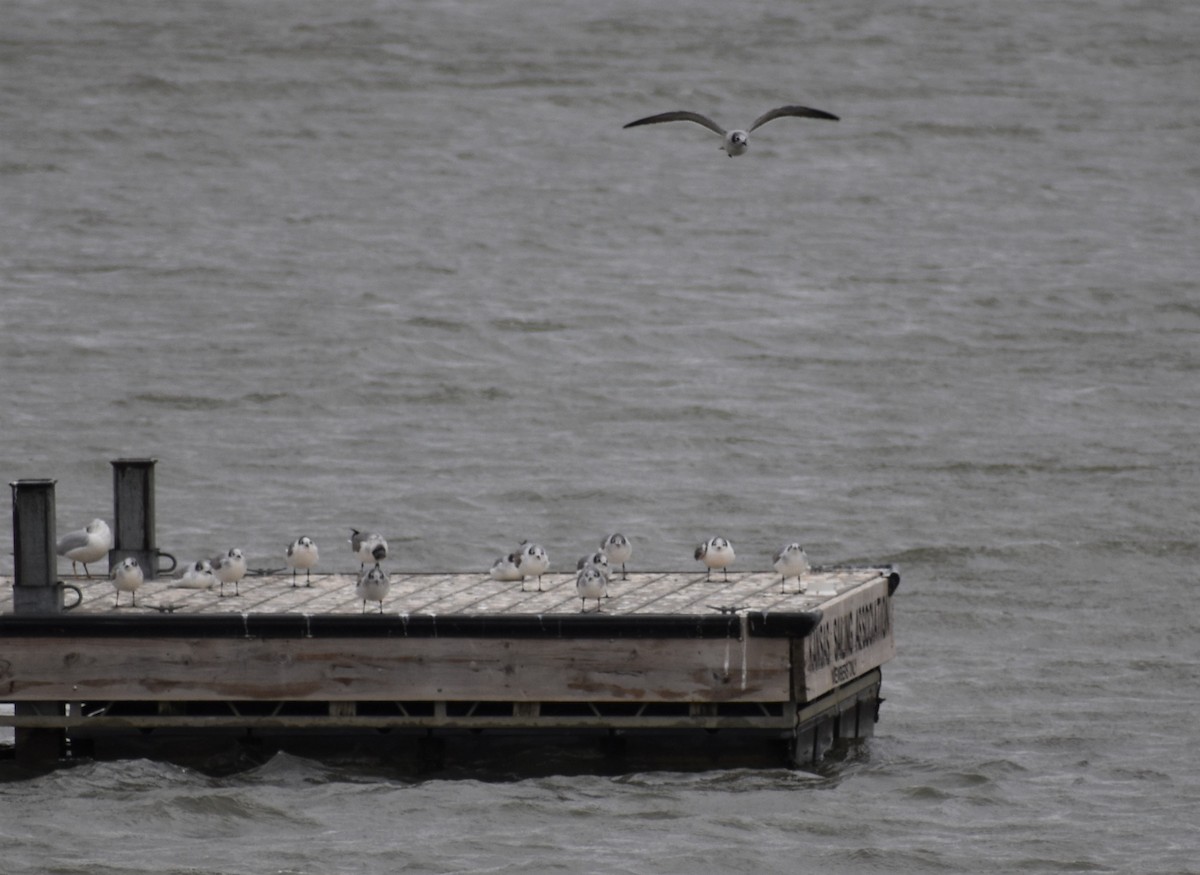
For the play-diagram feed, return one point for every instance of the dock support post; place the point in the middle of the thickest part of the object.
(133, 515)
(35, 578)
(36, 590)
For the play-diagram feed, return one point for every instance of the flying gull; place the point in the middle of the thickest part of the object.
(736, 141)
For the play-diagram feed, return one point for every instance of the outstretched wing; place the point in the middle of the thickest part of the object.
(681, 115)
(799, 111)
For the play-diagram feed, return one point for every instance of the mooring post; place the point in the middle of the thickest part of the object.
(133, 512)
(35, 570)
(36, 590)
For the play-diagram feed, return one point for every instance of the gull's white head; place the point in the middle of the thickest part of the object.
(736, 143)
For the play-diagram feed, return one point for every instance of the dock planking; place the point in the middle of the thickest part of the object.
(660, 593)
(458, 652)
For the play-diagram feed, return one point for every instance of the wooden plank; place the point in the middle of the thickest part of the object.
(386, 669)
(853, 637)
(334, 723)
(645, 592)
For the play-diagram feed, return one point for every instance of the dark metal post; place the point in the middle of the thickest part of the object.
(35, 581)
(133, 515)
(36, 590)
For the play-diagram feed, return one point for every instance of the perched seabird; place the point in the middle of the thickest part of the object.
(199, 575)
(302, 553)
(590, 584)
(86, 545)
(716, 553)
(618, 549)
(229, 568)
(128, 577)
(735, 142)
(599, 561)
(506, 568)
(368, 547)
(532, 561)
(373, 586)
(791, 561)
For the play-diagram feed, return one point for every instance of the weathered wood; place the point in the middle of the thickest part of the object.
(567, 670)
(678, 593)
(428, 722)
(853, 637)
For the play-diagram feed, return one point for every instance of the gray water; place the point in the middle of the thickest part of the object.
(398, 266)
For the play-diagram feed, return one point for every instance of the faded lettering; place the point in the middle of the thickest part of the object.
(837, 639)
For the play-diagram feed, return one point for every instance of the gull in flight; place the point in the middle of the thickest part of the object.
(736, 141)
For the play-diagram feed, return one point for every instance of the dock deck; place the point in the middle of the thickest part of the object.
(677, 593)
(667, 652)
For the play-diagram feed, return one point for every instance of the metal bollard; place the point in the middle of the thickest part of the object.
(37, 590)
(36, 587)
(133, 515)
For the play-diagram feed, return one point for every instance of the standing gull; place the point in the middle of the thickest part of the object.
(599, 561)
(618, 549)
(735, 142)
(230, 568)
(373, 586)
(128, 577)
(715, 553)
(368, 547)
(791, 561)
(532, 561)
(302, 553)
(86, 545)
(590, 584)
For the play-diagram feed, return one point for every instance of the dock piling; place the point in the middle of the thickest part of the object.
(37, 590)
(133, 515)
(36, 587)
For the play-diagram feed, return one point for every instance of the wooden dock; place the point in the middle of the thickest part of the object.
(668, 652)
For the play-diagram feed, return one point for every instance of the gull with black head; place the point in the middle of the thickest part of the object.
(368, 547)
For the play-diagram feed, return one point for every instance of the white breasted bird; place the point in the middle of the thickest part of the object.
(128, 577)
(198, 575)
(373, 586)
(791, 561)
(716, 553)
(590, 584)
(532, 561)
(86, 545)
(230, 567)
(618, 549)
(302, 553)
(734, 142)
(506, 568)
(368, 547)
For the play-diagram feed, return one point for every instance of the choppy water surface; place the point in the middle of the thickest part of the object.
(398, 265)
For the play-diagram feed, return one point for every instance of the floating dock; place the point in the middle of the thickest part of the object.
(669, 655)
